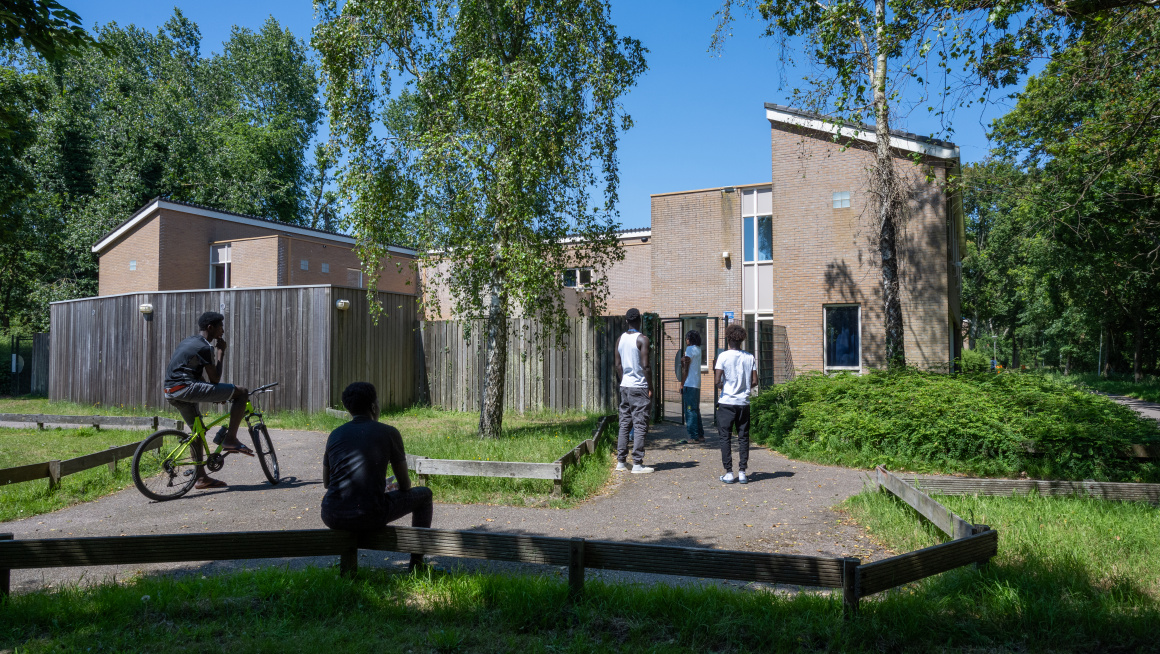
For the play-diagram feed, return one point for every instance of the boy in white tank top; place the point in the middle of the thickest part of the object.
(635, 374)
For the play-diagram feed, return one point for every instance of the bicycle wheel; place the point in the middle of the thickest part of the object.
(264, 448)
(157, 473)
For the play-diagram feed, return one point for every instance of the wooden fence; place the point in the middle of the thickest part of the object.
(134, 422)
(54, 470)
(1127, 492)
(105, 351)
(579, 374)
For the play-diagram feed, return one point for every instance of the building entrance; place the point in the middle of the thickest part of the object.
(671, 348)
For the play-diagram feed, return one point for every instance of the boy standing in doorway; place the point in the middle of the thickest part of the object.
(635, 374)
(691, 386)
(736, 379)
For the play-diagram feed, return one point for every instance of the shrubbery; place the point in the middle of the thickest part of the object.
(968, 423)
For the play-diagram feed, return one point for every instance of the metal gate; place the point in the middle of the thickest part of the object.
(672, 347)
(18, 381)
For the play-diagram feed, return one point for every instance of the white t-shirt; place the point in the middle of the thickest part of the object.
(694, 378)
(738, 368)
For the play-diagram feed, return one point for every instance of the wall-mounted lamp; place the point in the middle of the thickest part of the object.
(644, 239)
(728, 189)
(725, 254)
(342, 305)
(145, 309)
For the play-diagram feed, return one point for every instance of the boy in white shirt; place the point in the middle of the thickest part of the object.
(736, 378)
(691, 386)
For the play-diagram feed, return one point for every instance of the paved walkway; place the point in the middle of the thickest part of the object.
(1146, 409)
(785, 508)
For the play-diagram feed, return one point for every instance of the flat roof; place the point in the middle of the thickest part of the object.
(229, 216)
(898, 139)
(713, 188)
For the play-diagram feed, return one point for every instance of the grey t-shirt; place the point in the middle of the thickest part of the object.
(188, 360)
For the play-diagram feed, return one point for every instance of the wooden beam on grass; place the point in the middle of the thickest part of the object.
(898, 570)
(939, 515)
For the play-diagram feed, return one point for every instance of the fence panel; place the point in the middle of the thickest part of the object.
(575, 374)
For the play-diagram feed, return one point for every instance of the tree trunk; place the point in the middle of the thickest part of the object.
(495, 368)
(1138, 351)
(885, 187)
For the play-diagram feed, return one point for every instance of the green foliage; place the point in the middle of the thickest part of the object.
(976, 424)
(974, 361)
(149, 116)
(45, 26)
(1147, 389)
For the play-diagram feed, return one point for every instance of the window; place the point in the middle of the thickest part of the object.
(354, 277)
(843, 347)
(842, 200)
(701, 324)
(305, 265)
(577, 277)
(133, 265)
(757, 225)
(219, 266)
(326, 267)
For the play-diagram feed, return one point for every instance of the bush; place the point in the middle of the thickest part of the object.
(968, 423)
(974, 361)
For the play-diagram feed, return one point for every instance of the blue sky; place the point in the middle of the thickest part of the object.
(699, 118)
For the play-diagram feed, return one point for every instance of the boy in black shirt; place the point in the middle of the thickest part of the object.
(354, 472)
(184, 387)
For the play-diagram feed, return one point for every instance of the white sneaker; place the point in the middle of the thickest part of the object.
(620, 467)
(638, 469)
(741, 478)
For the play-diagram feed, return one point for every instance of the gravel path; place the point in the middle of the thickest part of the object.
(785, 508)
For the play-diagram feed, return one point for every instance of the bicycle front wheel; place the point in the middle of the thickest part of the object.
(163, 465)
(264, 448)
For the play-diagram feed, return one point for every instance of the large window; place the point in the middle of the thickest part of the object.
(219, 266)
(759, 232)
(843, 337)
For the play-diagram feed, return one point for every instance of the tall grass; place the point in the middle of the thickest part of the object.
(969, 423)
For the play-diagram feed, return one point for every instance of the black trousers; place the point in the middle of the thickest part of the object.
(419, 502)
(727, 416)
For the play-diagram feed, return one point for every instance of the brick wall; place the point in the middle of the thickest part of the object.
(140, 245)
(823, 255)
(255, 261)
(630, 280)
(184, 243)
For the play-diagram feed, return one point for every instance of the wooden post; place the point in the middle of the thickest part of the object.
(5, 573)
(156, 419)
(348, 564)
(558, 486)
(113, 463)
(978, 529)
(575, 569)
(40, 425)
(850, 587)
(53, 474)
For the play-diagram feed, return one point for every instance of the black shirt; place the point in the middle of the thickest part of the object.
(188, 360)
(357, 455)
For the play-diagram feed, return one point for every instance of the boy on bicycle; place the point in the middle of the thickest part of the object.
(184, 387)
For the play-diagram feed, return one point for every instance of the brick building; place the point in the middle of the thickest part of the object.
(169, 246)
(794, 257)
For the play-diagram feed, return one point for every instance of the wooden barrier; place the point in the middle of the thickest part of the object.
(939, 515)
(424, 466)
(1127, 492)
(54, 470)
(912, 566)
(147, 422)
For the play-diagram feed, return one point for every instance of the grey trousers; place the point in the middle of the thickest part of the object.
(634, 404)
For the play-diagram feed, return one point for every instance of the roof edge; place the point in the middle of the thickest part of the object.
(898, 139)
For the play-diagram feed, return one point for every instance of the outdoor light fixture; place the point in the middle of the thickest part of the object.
(145, 309)
(725, 254)
(342, 305)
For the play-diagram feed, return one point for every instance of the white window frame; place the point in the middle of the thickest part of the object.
(841, 199)
(360, 275)
(227, 263)
(825, 363)
(133, 264)
(304, 264)
(755, 216)
(577, 272)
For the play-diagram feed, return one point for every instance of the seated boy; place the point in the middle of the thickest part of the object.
(354, 472)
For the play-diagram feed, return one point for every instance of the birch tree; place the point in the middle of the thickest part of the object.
(483, 133)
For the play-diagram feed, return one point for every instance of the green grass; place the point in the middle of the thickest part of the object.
(537, 438)
(970, 423)
(1147, 390)
(25, 446)
(1055, 586)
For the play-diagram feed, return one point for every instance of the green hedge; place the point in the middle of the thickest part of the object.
(968, 423)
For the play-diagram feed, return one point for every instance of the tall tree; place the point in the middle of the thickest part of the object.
(45, 26)
(477, 130)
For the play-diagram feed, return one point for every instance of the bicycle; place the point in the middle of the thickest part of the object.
(164, 467)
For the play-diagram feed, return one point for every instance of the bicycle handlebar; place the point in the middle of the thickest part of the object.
(263, 389)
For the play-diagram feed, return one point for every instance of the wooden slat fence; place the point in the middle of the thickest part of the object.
(579, 375)
(106, 352)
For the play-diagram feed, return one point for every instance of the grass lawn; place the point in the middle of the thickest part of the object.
(24, 446)
(537, 438)
(1087, 584)
(1147, 390)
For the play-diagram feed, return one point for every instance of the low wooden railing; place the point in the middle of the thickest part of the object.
(42, 419)
(1128, 492)
(54, 470)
